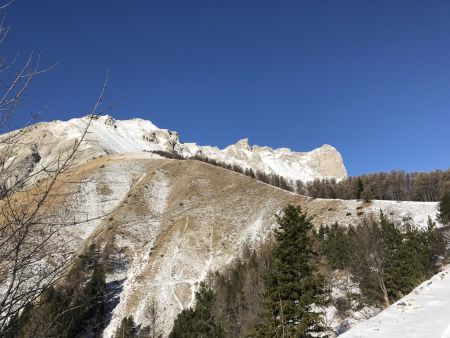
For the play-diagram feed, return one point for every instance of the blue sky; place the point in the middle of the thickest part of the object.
(371, 78)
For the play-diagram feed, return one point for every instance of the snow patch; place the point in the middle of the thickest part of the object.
(156, 197)
(423, 313)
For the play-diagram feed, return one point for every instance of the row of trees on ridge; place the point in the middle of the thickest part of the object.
(395, 185)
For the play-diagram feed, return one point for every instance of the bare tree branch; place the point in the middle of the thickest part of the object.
(33, 252)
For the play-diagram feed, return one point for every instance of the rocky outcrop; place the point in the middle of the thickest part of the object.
(323, 162)
(109, 136)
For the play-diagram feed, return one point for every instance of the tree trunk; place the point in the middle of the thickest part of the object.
(383, 289)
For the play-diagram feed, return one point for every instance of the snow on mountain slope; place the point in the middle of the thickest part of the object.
(424, 313)
(107, 136)
(179, 221)
(347, 212)
(109, 181)
(167, 223)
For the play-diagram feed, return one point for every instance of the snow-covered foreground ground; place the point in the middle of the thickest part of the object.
(424, 313)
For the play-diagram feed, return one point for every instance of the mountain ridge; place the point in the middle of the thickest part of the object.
(108, 136)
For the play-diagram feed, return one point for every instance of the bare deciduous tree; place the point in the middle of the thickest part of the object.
(156, 324)
(370, 255)
(32, 254)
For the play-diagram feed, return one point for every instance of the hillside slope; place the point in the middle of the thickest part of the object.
(166, 223)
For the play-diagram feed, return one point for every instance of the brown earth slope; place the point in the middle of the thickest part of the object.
(165, 224)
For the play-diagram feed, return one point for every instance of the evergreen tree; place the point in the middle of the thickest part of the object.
(434, 248)
(389, 260)
(95, 294)
(72, 309)
(359, 188)
(292, 285)
(198, 323)
(337, 247)
(239, 291)
(127, 328)
(444, 208)
(404, 268)
(413, 256)
(88, 313)
(367, 261)
(367, 194)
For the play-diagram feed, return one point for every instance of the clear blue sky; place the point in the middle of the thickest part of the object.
(371, 78)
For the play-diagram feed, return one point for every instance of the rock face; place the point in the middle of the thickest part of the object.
(109, 136)
(323, 162)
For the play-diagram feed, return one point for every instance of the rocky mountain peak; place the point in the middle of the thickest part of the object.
(110, 136)
(242, 144)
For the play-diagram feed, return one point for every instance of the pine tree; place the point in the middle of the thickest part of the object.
(292, 285)
(434, 248)
(127, 328)
(368, 257)
(89, 310)
(359, 188)
(367, 194)
(337, 247)
(444, 209)
(404, 267)
(74, 308)
(389, 260)
(95, 288)
(95, 294)
(198, 323)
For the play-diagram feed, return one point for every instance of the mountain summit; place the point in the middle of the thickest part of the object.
(109, 136)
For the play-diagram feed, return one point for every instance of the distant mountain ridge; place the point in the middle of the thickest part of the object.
(109, 136)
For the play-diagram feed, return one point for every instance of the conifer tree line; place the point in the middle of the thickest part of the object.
(395, 185)
(282, 289)
(79, 306)
(386, 260)
(229, 303)
(268, 293)
(75, 307)
(279, 290)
